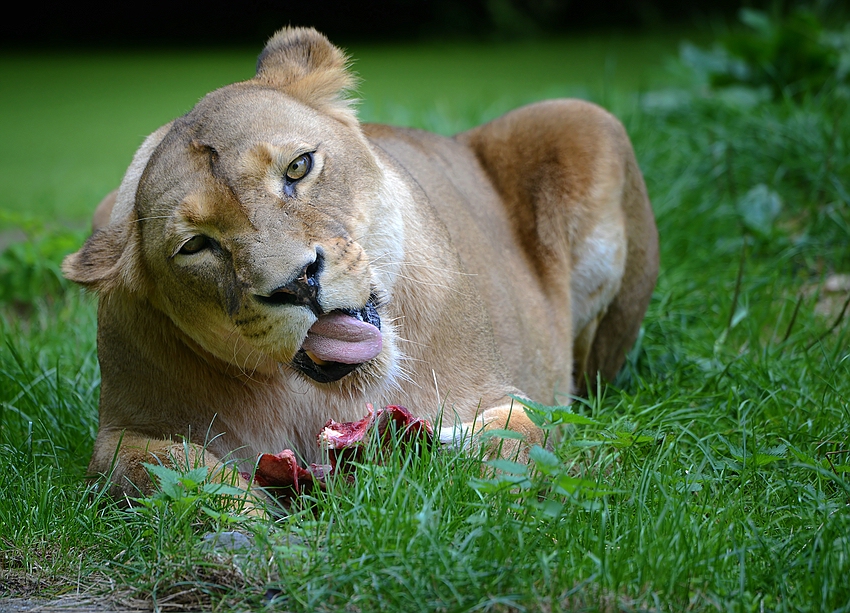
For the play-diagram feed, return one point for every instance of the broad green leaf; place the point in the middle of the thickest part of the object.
(224, 517)
(513, 481)
(778, 450)
(543, 457)
(759, 209)
(217, 515)
(627, 439)
(572, 485)
(506, 466)
(688, 486)
(588, 444)
(763, 459)
(165, 475)
(553, 414)
(537, 419)
(550, 509)
(194, 478)
(197, 474)
(486, 486)
(565, 416)
(804, 457)
(169, 480)
(221, 489)
(500, 483)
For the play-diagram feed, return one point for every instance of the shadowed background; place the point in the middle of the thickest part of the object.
(219, 22)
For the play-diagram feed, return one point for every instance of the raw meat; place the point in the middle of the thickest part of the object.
(344, 442)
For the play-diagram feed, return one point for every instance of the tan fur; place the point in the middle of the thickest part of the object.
(504, 260)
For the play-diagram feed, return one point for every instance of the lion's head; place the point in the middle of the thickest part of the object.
(261, 223)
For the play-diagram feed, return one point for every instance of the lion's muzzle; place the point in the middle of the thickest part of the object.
(301, 291)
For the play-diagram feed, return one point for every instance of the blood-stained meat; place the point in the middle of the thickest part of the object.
(344, 442)
(282, 471)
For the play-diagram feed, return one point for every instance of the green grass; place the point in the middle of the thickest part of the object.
(714, 474)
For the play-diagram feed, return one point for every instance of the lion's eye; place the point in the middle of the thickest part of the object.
(195, 244)
(299, 167)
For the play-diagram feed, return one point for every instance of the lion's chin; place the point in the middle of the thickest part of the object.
(326, 372)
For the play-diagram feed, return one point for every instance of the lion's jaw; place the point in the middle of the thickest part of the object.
(245, 260)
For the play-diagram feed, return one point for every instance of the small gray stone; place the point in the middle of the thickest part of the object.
(231, 542)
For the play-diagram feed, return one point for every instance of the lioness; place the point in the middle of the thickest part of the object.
(269, 263)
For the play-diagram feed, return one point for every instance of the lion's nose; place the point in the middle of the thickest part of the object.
(303, 290)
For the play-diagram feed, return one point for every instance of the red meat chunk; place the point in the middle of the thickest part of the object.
(282, 471)
(344, 442)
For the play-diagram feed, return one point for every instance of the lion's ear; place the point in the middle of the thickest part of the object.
(99, 263)
(109, 258)
(305, 65)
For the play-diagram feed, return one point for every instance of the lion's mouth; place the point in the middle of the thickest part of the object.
(339, 342)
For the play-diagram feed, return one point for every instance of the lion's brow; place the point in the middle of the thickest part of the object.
(207, 209)
(195, 210)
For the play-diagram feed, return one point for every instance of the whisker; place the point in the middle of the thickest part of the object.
(427, 283)
(409, 264)
(153, 217)
(410, 342)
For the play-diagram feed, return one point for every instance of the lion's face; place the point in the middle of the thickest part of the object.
(263, 225)
(258, 220)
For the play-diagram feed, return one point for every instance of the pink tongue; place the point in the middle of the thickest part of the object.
(337, 337)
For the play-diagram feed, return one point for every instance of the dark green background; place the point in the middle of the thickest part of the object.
(216, 22)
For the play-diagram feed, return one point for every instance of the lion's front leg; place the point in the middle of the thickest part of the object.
(120, 457)
(508, 415)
